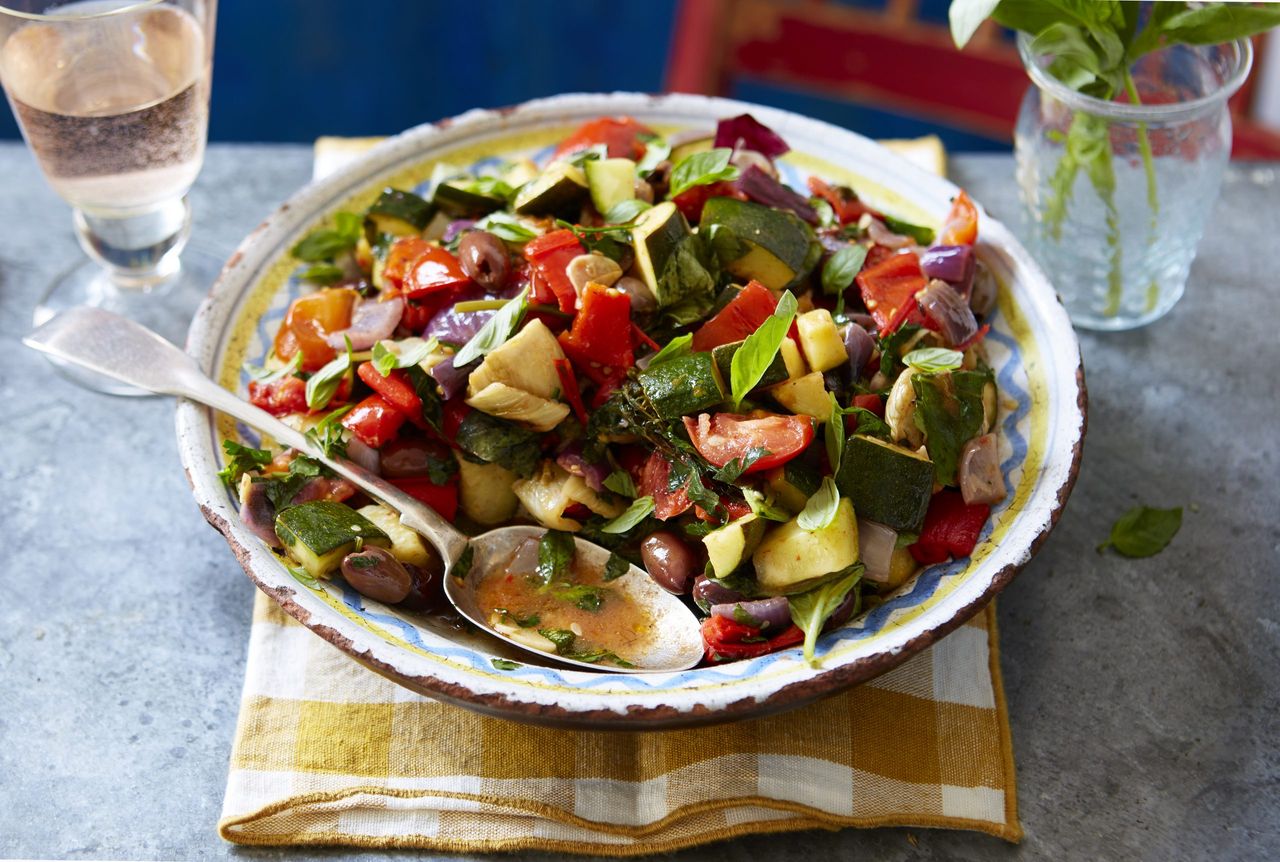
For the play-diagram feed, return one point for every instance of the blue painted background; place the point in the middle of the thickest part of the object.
(291, 70)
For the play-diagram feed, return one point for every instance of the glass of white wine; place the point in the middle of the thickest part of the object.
(113, 99)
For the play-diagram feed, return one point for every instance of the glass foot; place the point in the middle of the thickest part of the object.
(165, 307)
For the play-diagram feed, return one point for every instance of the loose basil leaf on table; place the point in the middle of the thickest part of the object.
(1143, 531)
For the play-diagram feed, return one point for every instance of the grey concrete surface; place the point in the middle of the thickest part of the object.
(1143, 694)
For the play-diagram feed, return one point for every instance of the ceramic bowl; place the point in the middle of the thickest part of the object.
(1032, 349)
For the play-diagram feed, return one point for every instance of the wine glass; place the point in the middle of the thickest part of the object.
(113, 98)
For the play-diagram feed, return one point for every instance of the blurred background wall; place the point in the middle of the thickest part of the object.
(291, 70)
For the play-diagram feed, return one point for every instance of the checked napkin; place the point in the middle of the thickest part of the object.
(327, 752)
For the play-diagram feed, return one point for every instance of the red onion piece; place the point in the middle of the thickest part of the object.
(952, 263)
(455, 327)
(773, 614)
(324, 488)
(764, 189)
(593, 474)
(980, 478)
(453, 381)
(843, 611)
(881, 235)
(858, 343)
(875, 547)
(454, 228)
(371, 321)
(983, 295)
(363, 454)
(707, 592)
(257, 513)
(745, 131)
(949, 310)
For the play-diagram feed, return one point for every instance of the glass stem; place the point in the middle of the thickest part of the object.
(1144, 146)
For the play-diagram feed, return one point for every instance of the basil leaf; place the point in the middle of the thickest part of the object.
(506, 227)
(322, 385)
(562, 638)
(303, 577)
(327, 243)
(932, 360)
(281, 488)
(582, 597)
(841, 268)
(640, 509)
(624, 212)
(821, 508)
(390, 355)
(764, 508)
(967, 16)
(949, 412)
(833, 434)
(891, 349)
(265, 376)
(327, 434)
(732, 471)
(811, 610)
(496, 441)
(1143, 531)
(466, 559)
(826, 212)
(756, 354)
(687, 283)
(555, 556)
(620, 482)
(700, 169)
(656, 151)
(1218, 22)
(244, 459)
(598, 655)
(673, 349)
(322, 273)
(616, 567)
(504, 664)
(869, 424)
(495, 331)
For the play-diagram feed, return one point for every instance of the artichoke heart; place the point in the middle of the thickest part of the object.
(530, 411)
(553, 489)
(525, 362)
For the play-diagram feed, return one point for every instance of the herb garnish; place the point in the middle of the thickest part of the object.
(639, 509)
(322, 274)
(620, 482)
(327, 243)
(390, 355)
(821, 508)
(811, 610)
(504, 664)
(932, 360)
(949, 412)
(264, 375)
(555, 556)
(616, 567)
(673, 349)
(495, 331)
(323, 385)
(732, 471)
(243, 459)
(753, 358)
(327, 434)
(700, 169)
(1143, 531)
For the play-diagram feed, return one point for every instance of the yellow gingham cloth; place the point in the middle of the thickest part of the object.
(327, 752)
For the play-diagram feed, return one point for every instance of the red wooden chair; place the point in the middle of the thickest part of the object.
(887, 58)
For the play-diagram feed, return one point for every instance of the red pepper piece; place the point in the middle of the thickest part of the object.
(374, 420)
(961, 226)
(442, 498)
(396, 389)
(549, 256)
(597, 343)
(569, 387)
(889, 287)
(848, 207)
(741, 317)
(280, 397)
(620, 135)
(951, 528)
(730, 640)
(433, 270)
(691, 201)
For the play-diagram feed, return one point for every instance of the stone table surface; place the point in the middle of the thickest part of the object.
(1144, 694)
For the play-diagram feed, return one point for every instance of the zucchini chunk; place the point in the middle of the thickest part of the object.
(683, 386)
(559, 191)
(804, 396)
(406, 545)
(886, 483)
(455, 198)
(729, 545)
(611, 182)
(657, 232)
(485, 493)
(793, 483)
(320, 533)
(820, 340)
(779, 248)
(792, 559)
(398, 213)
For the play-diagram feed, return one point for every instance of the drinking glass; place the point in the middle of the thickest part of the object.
(113, 98)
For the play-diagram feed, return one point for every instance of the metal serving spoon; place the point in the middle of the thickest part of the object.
(115, 346)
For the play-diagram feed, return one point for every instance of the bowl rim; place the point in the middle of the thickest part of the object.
(237, 279)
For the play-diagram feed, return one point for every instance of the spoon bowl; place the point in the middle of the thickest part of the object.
(109, 344)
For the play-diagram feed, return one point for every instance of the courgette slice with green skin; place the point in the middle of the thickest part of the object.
(611, 182)
(451, 197)
(723, 355)
(320, 533)
(780, 249)
(729, 545)
(559, 191)
(657, 232)
(885, 483)
(683, 386)
(398, 213)
(793, 483)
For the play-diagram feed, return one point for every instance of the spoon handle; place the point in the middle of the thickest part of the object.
(117, 347)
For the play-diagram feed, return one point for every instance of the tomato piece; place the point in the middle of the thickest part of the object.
(742, 316)
(726, 436)
(569, 387)
(596, 342)
(374, 420)
(730, 640)
(310, 318)
(844, 201)
(889, 286)
(654, 481)
(400, 254)
(280, 397)
(691, 201)
(734, 509)
(395, 388)
(432, 271)
(951, 528)
(961, 226)
(620, 134)
(549, 256)
(442, 498)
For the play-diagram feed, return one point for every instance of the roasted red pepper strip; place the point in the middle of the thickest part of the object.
(888, 287)
(691, 201)
(280, 397)
(396, 389)
(620, 135)
(951, 528)
(742, 316)
(730, 640)
(848, 208)
(442, 498)
(598, 343)
(374, 420)
(569, 388)
(549, 256)
(432, 271)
